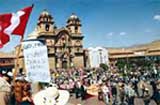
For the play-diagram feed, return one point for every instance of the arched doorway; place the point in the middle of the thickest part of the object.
(64, 64)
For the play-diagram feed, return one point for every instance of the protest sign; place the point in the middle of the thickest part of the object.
(36, 61)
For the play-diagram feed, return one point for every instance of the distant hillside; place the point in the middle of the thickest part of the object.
(151, 44)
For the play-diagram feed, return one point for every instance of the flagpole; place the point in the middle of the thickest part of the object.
(17, 59)
(18, 56)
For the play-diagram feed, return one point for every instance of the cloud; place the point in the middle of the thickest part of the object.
(90, 44)
(148, 30)
(110, 34)
(156, 17)
(122, 33)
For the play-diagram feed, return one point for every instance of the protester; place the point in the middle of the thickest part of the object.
(83, 92)
(5, 90)
(135, 81)
(122, 93)
(112, 86)
(131, 95)
(26, 95)
(22, 91)
(105, 91)
(51, 96)
(146, 96)
(100, 93)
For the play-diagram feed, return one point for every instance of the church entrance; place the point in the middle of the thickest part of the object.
(64, 64)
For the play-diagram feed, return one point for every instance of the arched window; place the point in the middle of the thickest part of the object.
(76, 29)
(47, 27)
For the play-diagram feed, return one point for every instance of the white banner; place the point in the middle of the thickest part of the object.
(36, 61)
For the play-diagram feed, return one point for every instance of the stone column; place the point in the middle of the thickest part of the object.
(58, 63)
(71, 60)
(58, 56)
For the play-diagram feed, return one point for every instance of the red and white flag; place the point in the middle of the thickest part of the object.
(13, 23)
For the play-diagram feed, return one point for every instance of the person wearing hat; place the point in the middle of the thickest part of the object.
(51, 96)
(22, 91)
(18, 90)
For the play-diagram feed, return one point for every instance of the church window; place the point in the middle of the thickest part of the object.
(78, 43)
(48, 50)
(78, 49)
(47, 27)
(76, 29)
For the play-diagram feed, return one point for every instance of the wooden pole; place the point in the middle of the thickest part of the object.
(17, 59)
(17, 55)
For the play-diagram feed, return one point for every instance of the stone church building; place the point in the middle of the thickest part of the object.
(65, 45)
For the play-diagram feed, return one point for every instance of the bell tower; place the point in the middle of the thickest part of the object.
(74, 24)
(45, 23)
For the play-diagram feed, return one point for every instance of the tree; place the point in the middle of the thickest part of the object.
(104, 66)
(121, 64)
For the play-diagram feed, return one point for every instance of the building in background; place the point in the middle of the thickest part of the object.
(65, 45)
(7, 61)
(97, 56)
(139, 54)
(135, 54)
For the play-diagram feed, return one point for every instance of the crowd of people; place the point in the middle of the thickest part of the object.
(113, 86)
(14, 91)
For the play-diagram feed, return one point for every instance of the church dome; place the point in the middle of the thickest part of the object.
(45, 17)
(73, 17)
(45, 13)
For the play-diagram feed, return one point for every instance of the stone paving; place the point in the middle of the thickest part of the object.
(90, 101)
(94, 101)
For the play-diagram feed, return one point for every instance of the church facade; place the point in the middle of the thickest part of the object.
(65, 45)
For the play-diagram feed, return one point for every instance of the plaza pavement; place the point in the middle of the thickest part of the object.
(95, 101)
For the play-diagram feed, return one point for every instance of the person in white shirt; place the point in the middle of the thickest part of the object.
(105, 91)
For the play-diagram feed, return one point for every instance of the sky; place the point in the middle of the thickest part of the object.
(106, 23)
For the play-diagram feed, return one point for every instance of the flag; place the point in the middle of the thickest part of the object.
(19, 30)
(13, 23)
(4, 23)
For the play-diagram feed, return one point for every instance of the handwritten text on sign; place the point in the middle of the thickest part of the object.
(36, 61)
